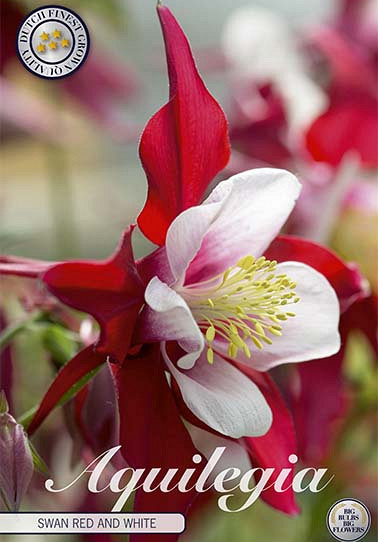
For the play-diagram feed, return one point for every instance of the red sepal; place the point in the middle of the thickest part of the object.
(23, 267)
(316, 420)
(273, 449)
(185, 144)
(110, 290)
(84, 362)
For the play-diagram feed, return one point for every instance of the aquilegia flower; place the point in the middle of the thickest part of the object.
(190, 329)
(327, 134)
(220, 298)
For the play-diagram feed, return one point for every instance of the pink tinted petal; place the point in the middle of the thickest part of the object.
(222, 397)
(186, 234)
(167, 317)
(241, 216)
(344, 278)
(311, 334)
(185, 144)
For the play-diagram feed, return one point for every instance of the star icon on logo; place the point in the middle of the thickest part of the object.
(59, 40)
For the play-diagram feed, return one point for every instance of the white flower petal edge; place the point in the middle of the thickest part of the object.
(311, 334)
(170, 318)
(241, 216)
(223, 398)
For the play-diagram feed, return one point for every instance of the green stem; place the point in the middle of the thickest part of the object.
(10, 332)
(27, 416)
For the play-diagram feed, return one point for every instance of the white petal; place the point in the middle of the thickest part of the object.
(235, 454)
(241, 216)
(223, 397)
(312, 333)
(186, 233)
(167, 317)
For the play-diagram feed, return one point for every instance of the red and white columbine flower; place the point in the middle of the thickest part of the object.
(220, 298)
(340, 58)
(211, 306)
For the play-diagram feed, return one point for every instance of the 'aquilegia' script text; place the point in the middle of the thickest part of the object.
(201, 479)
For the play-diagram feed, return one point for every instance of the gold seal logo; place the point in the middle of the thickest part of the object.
(348, 519)
(52, 42)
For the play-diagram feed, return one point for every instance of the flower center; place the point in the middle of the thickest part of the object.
(247, 301)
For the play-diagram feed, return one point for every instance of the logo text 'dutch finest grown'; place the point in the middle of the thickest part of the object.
(52, 42)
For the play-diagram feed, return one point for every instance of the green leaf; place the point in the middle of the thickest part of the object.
(27, 416)
(38, 462)
(60, 343)
(10, 332)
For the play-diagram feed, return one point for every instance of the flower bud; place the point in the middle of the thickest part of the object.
(16, 463)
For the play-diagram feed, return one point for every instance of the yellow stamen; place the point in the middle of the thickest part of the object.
(246, 302)
(210, 356)
(210, 333)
